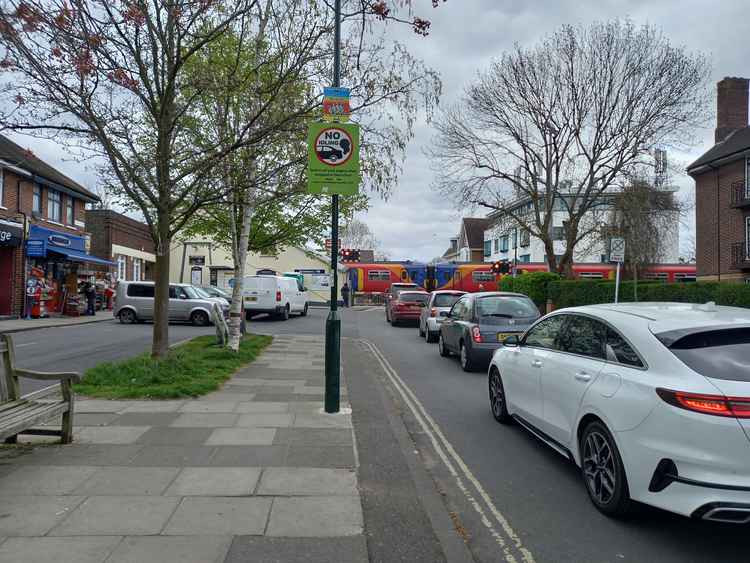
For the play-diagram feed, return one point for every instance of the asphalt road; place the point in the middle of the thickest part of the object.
(539, 493)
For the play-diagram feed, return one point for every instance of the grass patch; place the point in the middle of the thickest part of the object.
(190, 370)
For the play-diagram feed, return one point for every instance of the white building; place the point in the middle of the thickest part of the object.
(503, 241)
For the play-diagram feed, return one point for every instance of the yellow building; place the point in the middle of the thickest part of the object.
(201, 261)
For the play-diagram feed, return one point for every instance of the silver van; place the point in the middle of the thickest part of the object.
(134, 301)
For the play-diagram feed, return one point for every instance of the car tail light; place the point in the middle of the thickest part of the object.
(278, 296)
(433, 312)
(475, 334)
(717, 405)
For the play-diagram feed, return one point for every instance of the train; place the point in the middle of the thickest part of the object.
(377, 277)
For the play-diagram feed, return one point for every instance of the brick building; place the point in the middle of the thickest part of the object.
(722, 190)
(124, 241)
(42, 230)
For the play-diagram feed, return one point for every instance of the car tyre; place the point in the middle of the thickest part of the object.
(466, 362)
(199, 318)
(442, 348)
(603, 471)
(285, 313)
(304, 311)
(127, 316)
(498, 402)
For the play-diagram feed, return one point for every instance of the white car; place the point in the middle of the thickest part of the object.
(650, 400)
(430, 319)
(277, 295)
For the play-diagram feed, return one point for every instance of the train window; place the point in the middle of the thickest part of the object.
(591, 275)
(656, 276)
(379, 275)
(483, 276)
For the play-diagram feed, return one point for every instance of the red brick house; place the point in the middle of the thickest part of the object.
(722, 190)
(42, 226)
(124, 241)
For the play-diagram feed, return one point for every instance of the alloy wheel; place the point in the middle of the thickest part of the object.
(497, 397)
(599, 467)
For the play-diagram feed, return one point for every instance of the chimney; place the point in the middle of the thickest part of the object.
(731, 106)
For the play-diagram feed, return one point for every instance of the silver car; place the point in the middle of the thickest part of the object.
(430, 319)
(134, 301)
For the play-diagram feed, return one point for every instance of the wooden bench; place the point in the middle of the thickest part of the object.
(19, 413)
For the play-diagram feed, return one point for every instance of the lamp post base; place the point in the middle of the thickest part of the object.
(333, 362)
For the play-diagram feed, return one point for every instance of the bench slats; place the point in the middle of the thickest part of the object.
(21, 423)
(30, 411)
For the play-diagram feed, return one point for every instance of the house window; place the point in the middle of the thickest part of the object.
(747, 177)
(515, 239)
(137, 269)
(525, 237)
(121, 267)
(36, 204)
(497, 245)
(54, 205)
(69, 214)
(524, 258)
(488, 248)
(2, 186)
(504, 244)
(558, 233)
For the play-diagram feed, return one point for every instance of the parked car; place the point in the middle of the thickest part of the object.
(430, 319)
(650, 400)
(479, 322)
(277, 295)
(408, 306)
(214, 291)
(392, 295)
(134, 301)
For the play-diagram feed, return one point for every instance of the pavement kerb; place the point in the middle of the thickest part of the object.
(39, 327)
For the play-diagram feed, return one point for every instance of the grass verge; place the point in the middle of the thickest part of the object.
(190, 370)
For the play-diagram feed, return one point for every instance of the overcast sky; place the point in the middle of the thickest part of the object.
(466, 35)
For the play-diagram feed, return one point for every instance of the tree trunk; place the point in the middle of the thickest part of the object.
(236, 310)
(160, 344)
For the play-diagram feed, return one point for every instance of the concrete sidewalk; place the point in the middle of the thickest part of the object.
(20, 325)
(253, 472)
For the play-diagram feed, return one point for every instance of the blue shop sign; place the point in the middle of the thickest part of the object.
(42, 241)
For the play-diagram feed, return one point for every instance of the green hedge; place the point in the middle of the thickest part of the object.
(569, 293)
(533, 284)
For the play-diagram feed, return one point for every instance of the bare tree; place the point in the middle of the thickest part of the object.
(557, 126)
(357, 234)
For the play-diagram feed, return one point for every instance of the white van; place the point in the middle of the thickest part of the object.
(277, 295)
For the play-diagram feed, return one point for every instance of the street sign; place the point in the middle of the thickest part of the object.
(333, 159)
(617, 250)
(336, 104)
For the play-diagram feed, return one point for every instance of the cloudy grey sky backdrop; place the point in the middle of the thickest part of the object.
(466, 35)
(416, 223)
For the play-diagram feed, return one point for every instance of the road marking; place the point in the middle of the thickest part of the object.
(25, 344)
(451, 459)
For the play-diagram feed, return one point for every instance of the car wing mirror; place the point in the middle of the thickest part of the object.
(444, 313)
(512, 341)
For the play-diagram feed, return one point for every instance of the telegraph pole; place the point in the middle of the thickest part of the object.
(333, 322)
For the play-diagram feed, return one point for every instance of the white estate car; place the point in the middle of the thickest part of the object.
(430, 319)
(651, 400)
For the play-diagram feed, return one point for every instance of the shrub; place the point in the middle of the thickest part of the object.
(533, 284)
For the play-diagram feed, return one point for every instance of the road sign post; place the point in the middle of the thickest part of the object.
(617, 254)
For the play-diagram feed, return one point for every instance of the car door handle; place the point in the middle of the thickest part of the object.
(583, 376)
(536, 363)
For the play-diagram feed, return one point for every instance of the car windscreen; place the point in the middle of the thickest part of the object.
(194, 292)
(505, 306)
(446, 299)
(721, 354)
(407, 297)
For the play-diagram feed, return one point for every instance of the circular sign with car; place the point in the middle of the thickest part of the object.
(333, 146)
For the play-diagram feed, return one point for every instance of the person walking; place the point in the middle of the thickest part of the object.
(345, 294)
(90, 292)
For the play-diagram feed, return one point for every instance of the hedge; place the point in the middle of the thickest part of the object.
(533, 284)
(569, 293)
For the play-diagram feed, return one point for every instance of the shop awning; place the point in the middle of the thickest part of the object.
(78, 256)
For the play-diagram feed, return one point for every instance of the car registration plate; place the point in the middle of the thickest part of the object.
(503, 335)
(251, 298)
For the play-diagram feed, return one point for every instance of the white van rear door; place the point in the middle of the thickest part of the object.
(259, 292)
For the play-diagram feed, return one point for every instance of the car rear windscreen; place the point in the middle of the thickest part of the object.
(721, 354)
(407, 297)
(445, 299)
(509, 306)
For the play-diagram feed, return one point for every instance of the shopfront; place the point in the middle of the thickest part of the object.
(58, 266)
(11, 239)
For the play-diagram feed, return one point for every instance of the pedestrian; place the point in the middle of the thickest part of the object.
(90, 292)
(345, 294)
(481, 287)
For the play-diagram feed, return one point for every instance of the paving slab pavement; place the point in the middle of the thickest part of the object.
(252, 472)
